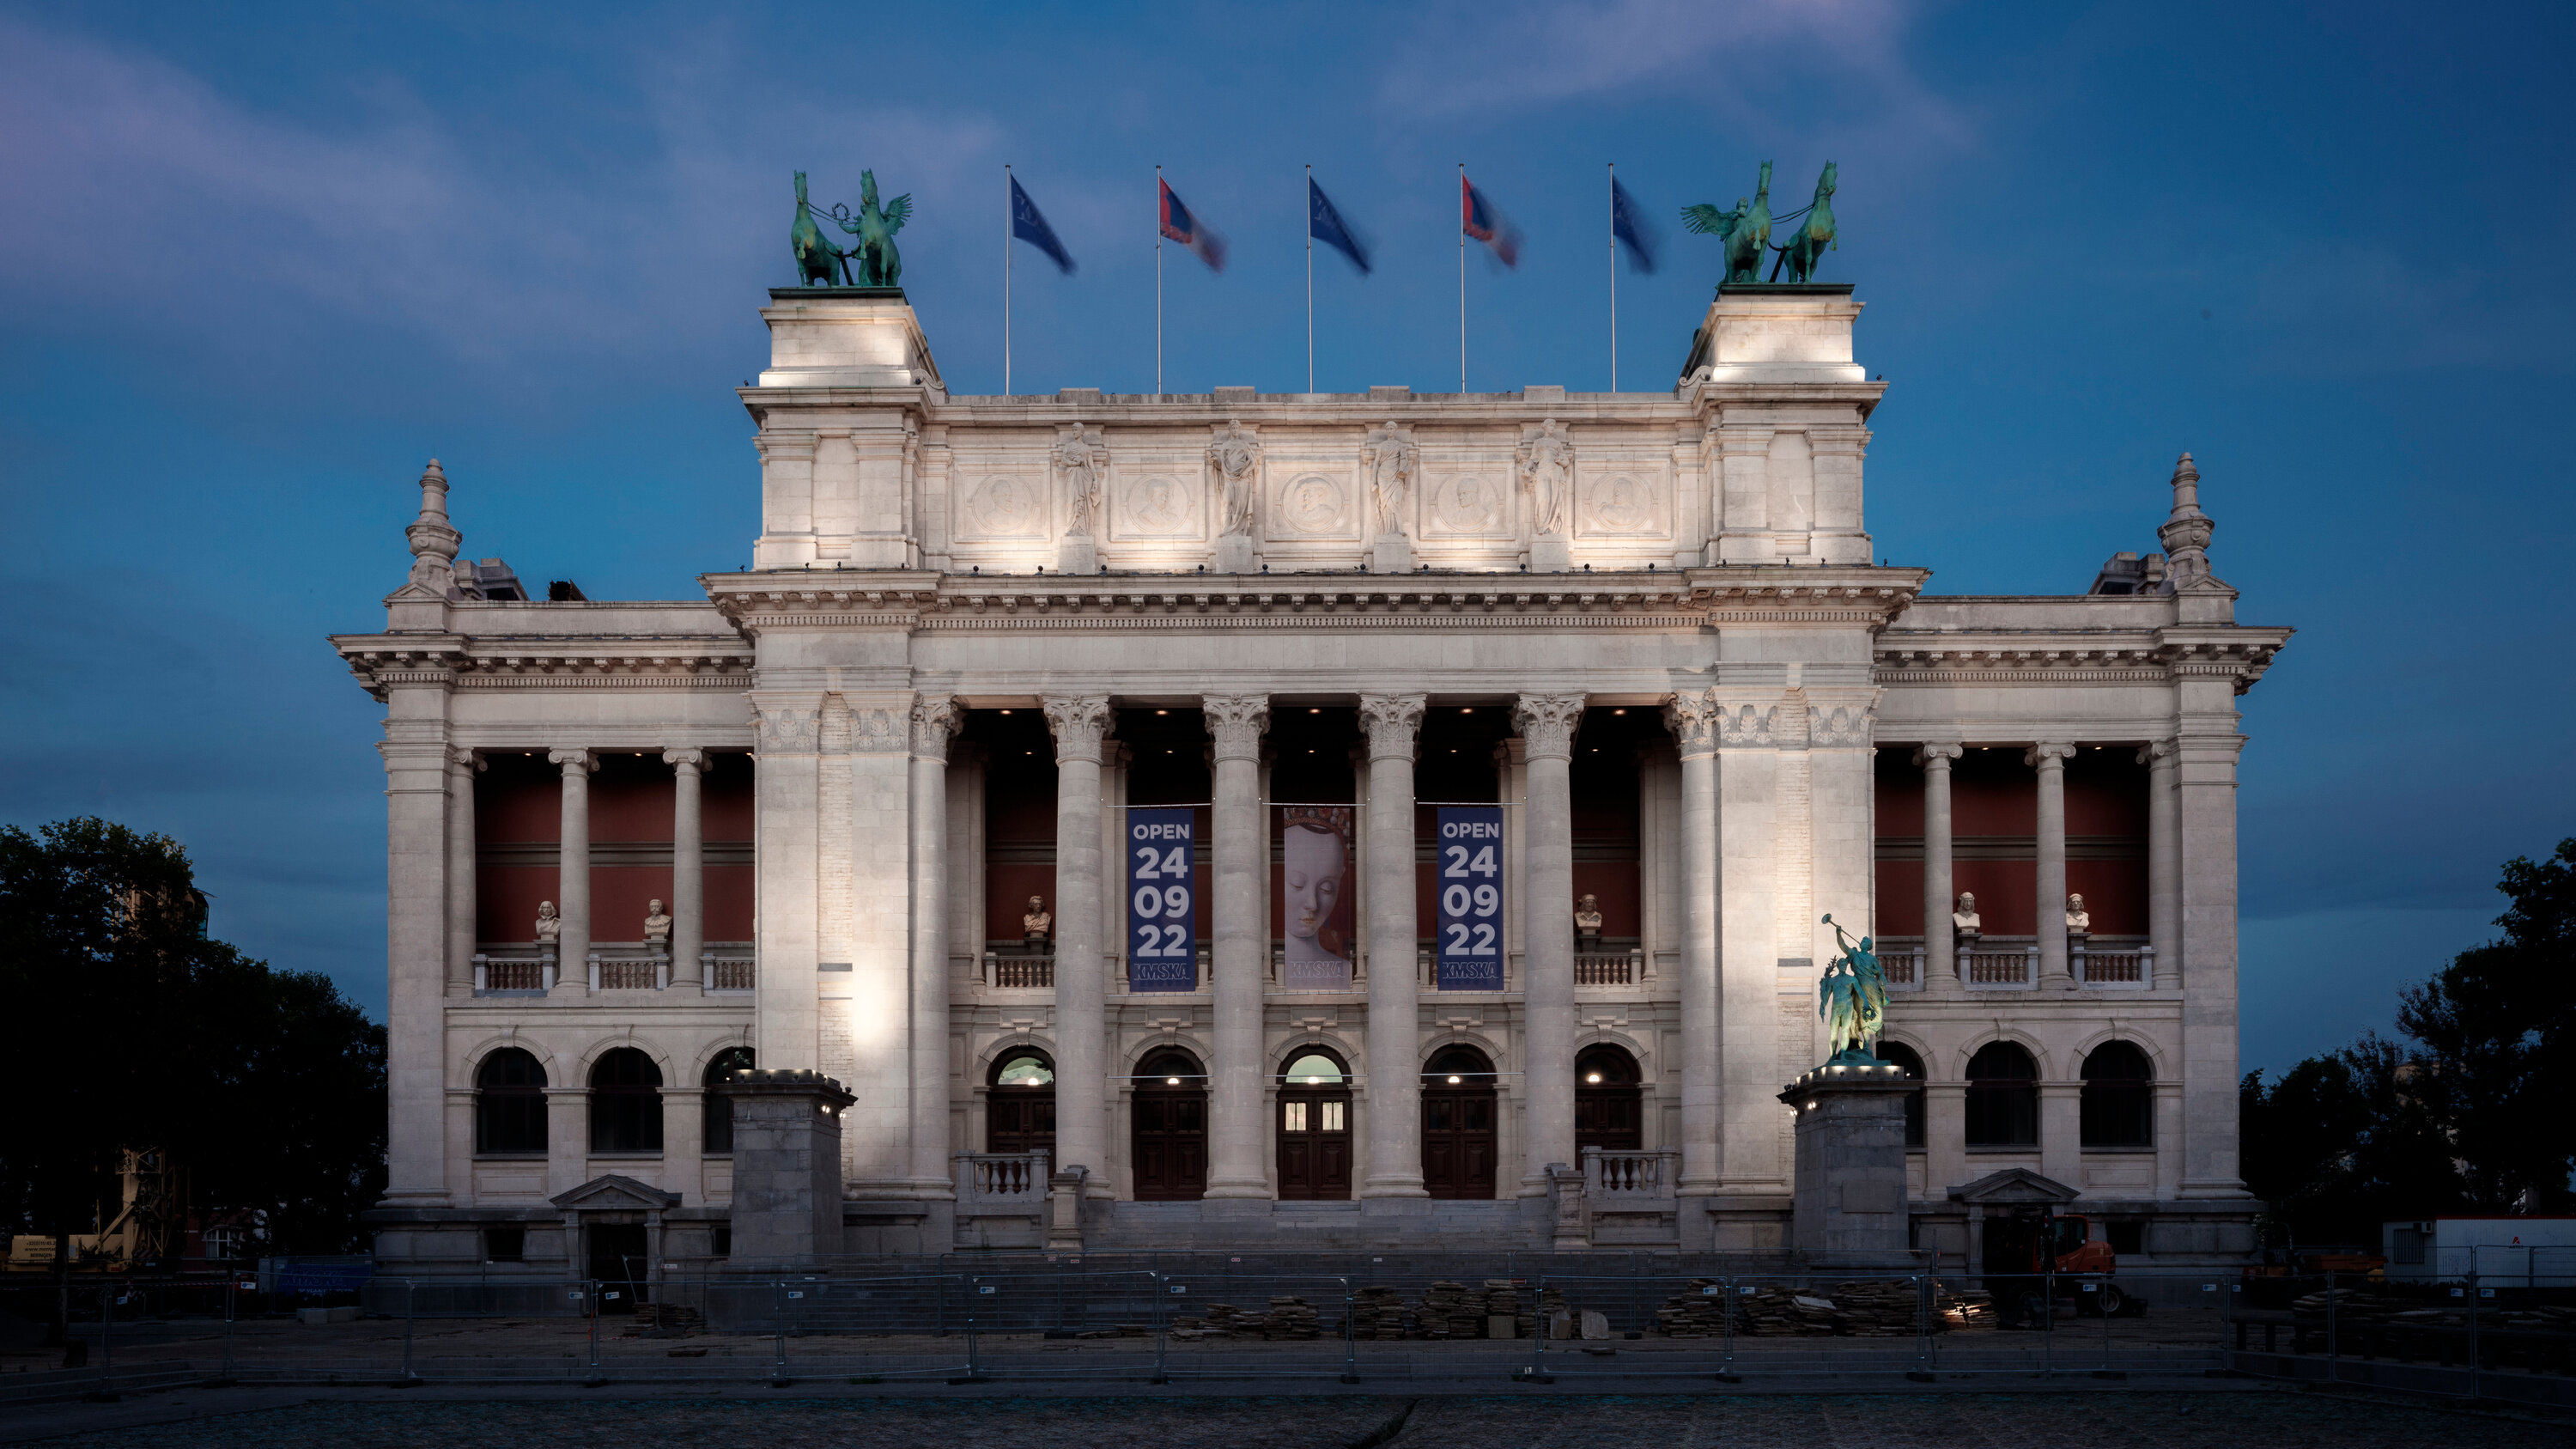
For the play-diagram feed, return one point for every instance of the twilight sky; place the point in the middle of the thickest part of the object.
(258, 263)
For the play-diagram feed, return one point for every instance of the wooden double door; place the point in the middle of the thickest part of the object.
(1167, 1137)
(1458, 1144)
(1313, 1126)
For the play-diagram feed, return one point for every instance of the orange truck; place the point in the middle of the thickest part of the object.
(2030, 1255)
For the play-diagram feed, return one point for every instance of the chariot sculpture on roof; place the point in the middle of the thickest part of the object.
(1745, 231)
(878, 263)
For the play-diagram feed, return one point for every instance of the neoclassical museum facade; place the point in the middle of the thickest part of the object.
(1275, 821)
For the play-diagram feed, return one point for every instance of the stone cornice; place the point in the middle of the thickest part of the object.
(382, 661)
(2054, 657)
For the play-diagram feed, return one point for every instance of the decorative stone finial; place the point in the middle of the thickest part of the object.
(2187, 531)
(433, 538)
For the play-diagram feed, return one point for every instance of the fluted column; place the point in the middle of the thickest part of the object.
(1238, 1126)
(2164, 861)
(1081, 726)
(934, 725)
(1940, 896)
(572, 885)
(688, 867)
(1692, 719)
(462, 765)
(1547, 725)
(1394, 1009)
(2050, 760)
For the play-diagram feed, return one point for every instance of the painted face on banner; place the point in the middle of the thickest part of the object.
(1314, 864)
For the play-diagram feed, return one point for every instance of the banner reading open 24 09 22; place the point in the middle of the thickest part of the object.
(1470, 852)
(1162, 907)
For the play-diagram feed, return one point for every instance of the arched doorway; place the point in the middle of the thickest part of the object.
(1314, 1127)
(1458, 1146)
(1169, 1135)
(1609, 1110)
(1019, 1112)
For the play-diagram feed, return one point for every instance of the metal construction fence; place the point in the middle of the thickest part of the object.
(1559, 1319)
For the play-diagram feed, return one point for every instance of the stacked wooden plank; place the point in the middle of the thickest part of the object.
(1698, 1311)
(1380, 1313)
(1875, 1309)
(1450, 1310)
(1290, 1317)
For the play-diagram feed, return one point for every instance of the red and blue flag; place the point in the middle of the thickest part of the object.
(1481, 219)
(1180, 225)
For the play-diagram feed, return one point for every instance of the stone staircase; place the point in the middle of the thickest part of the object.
(1273, 1227)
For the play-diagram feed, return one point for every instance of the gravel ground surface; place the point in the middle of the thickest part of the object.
(1946, 1421)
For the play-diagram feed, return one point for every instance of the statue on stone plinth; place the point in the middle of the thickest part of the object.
(657, 926)
(549, 925)
(1852, 998)
(879, 264)
(1236, 458)
(1745, 232)
(1391, 460)
(1037, 925)
(2079, 921)
(1814, 236)
(1587, 920)
(1080, 461)
(818, 262)
(1965, 923)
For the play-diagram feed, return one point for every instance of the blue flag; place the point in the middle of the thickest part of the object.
(1629, 226)
(1031, 227)
(1324, 224)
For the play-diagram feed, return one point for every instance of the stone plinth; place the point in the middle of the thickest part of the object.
(1848, 1193)
(786, 1165)
(845, 337)
(1778, 334)
(1551, 553)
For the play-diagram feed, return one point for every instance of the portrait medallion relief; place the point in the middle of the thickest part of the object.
(1471, 503)
(1314, 504)
(1004, 506)
(1158, 504)
(1618, 503)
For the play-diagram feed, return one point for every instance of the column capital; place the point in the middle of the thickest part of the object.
(461, 758)
(1693, 720)
(685, 758)
(1235, 723)
(1841, 726)
(2159, 754)
(1392, 720)
(1937, 754)
(787, 725)
(2048, 755)
(1080, 724)
(570, 760)
(1548, 723)
(935, 722)
(1748, 726)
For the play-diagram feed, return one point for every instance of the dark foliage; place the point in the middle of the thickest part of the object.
(128, 1029)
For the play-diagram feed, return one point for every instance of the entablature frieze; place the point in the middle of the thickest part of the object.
(2237, 653)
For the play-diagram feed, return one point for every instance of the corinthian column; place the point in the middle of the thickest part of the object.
(1081, 725)
(934, 724)
(2050, 759)
(1940, 955)
(572, 884)
(462, 766)
(1692, 719)
(1395, 1000)
(1547, 723)
(688, 866)
(2164, 863)
(1237, 1131)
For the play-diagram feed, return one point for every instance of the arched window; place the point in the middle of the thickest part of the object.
(1019, 1113)
(2119, 1097)
(625, 1103)
(716, 1117)
(1902, 1055)
(2003, 1097)
(510, 1105)
(1458, 1066)
(1314, 1069)
(1609, 1110)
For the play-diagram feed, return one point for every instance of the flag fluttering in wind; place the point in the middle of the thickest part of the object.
(1478, 217)
(1180, 225)
(1630, 228)
(1030, 226)
(1325, 225)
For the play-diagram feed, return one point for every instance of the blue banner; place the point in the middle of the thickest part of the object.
(1470, 846)
(1162, 900)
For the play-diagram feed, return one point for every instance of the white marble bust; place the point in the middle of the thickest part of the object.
(549, 925)
(657, 926)
(1587, 916)
(2079, 921)
(1039, 922)
(1965, 919)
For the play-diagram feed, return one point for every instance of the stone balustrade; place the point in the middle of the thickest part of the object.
(1614, 1178)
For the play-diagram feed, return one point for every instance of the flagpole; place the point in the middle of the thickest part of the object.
(1614, 276)
(1006, 280)
(1308, 201)
(1462, 277)
(1158, 281)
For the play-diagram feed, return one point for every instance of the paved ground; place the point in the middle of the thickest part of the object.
(2220, 1418)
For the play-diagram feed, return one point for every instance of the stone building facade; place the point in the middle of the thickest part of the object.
(799, 822)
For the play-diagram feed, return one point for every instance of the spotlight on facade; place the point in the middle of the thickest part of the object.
(1171, 1081)
(1453, 1081)
(1594, 1078)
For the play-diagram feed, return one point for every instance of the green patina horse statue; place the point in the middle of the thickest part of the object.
(1744, 231)
(880, 265)
(1815, 235)
(818, 262)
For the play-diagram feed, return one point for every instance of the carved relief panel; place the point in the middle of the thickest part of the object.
(1309, 505)
(1625, 498)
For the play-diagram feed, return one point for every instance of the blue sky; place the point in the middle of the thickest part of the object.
(258, 262)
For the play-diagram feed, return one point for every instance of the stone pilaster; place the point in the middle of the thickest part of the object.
(462, 766)
(1081, 725)
(1394, 1009)
(1547, 725)
(935, 722)
(787, 726)
(2205, 811)
(1693, 721)
(688, 868)
(2164, 860)
(1238, 1122)
(1750, 1121)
